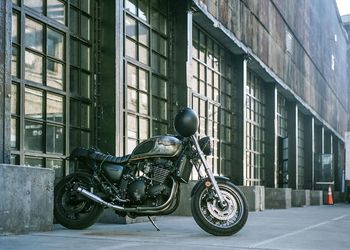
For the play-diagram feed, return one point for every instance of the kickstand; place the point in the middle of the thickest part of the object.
(153, 223)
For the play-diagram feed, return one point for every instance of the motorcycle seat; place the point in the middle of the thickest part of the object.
(93, 154)
(98, 156)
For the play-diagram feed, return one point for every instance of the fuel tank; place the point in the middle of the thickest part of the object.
(159, 146)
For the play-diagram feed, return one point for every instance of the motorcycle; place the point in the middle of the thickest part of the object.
(147, 183)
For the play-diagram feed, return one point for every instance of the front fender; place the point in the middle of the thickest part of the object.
(201, 182)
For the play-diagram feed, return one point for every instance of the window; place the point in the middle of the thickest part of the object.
(301, 150)
(40, 94)
(146, 71)
(282, 117)
(212, 98)
(255, 131)
(289, 42)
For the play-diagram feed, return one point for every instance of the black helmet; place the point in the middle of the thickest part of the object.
(186, 122)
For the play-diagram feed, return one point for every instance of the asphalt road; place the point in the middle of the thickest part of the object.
(315, 227)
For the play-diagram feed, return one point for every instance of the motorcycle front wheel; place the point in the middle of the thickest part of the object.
(71, 209)
(217, 219)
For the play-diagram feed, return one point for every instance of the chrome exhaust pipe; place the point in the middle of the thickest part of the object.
(97, 199)
(149, 210)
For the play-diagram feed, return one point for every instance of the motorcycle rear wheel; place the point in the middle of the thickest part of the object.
(71, 209)
(215, 219)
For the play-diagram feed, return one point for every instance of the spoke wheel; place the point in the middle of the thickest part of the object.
(220, 219)
(72, 209)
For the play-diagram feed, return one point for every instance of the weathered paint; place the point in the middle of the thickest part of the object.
(317, 36)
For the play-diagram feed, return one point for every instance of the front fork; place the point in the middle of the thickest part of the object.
(208, 170)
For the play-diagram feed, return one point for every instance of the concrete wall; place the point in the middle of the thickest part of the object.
(300, 198)
(26, 199)
(266, 27)
(255, 197)
(278, 198)
(316, 197)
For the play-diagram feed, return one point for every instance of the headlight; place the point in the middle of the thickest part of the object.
(205, 145)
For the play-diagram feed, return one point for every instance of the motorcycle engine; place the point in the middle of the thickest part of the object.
(152, 185)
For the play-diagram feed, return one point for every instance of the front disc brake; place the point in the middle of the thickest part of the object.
(223, 213)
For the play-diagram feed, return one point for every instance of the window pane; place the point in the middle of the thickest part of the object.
(159, 87)
(85, 115)
(132, 100)
(143, 80)
(85, 57)
(74, 138)
(56, 10)
(143, 109)
(143, 10)
(55, 74)
(144, 129)
(15, 62)
(14, 160)
(132, 126)
(130, 48)
(74, 81)
(85, 139)
(15, 2)
(33, 103)
(73, 22)
(54, 139)
(33, 67)
(85, 27)
(159, 128)
(14, 99)
(57, 166)
(85, 6)
(130, 27)
(36, 5)
(130, 5)
(143, 34)
(15, 38)
(14, 130)
(143, 55)
(131, 145)
(159, 22)
(75, 2)
(159, 108)
(74, 113)
(55, 44)
(54, 108)
(131, 75)
(33, 139)
(159, 64)
(159, 44)
(34, 35)
(85, 85)
(74, 52)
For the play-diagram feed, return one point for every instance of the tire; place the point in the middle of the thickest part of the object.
(213, 219)
(71, 209)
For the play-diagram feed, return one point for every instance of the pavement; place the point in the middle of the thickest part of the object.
(314, 227)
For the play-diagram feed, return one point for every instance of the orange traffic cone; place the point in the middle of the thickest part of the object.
(330, 196)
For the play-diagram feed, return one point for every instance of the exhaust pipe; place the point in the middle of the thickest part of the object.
(97, 199)
(150, 210)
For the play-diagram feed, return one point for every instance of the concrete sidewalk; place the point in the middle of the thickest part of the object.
(315, 227)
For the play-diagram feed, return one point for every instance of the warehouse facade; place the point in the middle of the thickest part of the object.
(270, 87)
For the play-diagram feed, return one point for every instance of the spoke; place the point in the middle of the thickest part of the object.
(222, 217)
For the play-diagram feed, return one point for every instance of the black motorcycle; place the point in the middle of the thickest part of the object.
(147, 183)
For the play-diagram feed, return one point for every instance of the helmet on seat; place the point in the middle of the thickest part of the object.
(186, 122)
